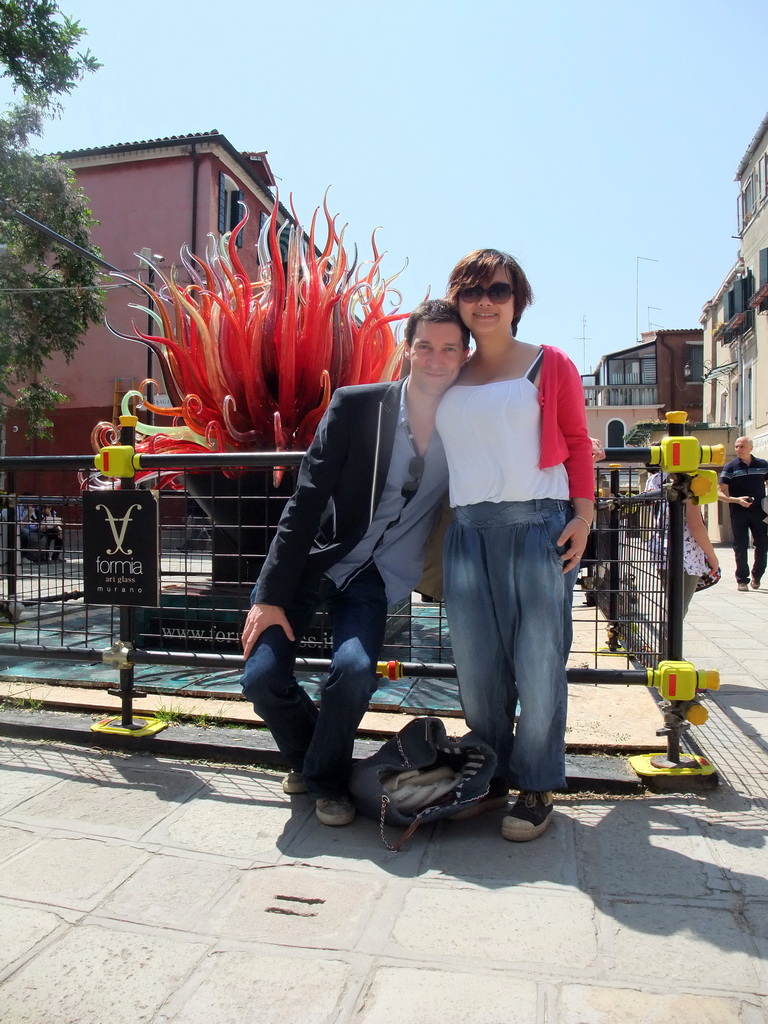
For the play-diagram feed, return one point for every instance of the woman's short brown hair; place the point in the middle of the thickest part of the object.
(479, 266)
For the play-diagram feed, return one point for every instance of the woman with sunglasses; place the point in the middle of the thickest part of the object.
(522, 486)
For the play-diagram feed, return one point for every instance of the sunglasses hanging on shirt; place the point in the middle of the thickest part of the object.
(415, 473)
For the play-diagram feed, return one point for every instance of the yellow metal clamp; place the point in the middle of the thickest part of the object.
(679, 680)
(684, 454)
(117, 460)
(390, 669)
(704, 486)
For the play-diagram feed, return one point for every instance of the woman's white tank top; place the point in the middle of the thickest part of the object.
(492, 439)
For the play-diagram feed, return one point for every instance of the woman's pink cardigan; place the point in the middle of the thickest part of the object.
(564, 436)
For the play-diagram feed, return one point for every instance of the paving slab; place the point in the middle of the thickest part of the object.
(703, 945)
(459, 850)
(234, 987)
(19, 785)
(96, 975)
(297, 906)
(405, 995)
(243, 827)
(21, 929)
(127, 804)
(523, 927)
(14, 839)
(644, 847)
(171, 892)
(579, 1004)
(359, 849)
(73, 872)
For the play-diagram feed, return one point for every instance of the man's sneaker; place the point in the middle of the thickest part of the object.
(529, 817)
(755, 583)
(334, 810)
(496, 798)
(742, 586)
(293, 783)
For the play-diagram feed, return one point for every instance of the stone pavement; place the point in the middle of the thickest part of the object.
(140, 889)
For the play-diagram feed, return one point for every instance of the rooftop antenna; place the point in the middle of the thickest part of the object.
(648, 259)
(658, 310)
(584, 339)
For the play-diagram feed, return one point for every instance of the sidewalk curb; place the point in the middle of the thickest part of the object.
(598, 772)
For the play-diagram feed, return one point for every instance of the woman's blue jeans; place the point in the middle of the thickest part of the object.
(509, 614)
(318, 742)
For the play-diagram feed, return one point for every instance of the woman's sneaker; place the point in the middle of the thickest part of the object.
(335, 810)
(293, 783)
(529, 817)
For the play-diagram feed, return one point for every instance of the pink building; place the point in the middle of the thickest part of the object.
(159, 196)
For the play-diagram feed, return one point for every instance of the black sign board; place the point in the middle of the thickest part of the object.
(120, 548)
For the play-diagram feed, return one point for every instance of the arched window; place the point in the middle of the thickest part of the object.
(616, 431)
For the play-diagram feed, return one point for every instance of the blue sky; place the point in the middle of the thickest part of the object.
(578, 135)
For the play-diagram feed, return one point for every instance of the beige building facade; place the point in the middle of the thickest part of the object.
(735, 323)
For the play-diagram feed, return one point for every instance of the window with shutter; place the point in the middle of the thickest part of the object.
(694, 356)
(222, 203)
(236, 213)
(747, 289)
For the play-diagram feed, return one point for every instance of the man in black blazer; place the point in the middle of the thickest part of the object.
(353, 535)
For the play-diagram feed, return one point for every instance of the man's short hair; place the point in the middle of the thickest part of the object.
(435, 311)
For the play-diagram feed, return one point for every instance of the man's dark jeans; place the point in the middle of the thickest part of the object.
(318, 742)
(743, 522)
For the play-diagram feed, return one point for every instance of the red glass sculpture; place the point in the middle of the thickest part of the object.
(251, 366)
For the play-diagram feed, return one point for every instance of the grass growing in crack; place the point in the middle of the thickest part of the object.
(175, 715)
(206, 721)
(17, 702)
(170, 714)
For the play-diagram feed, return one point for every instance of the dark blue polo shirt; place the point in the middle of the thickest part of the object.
(746, 481)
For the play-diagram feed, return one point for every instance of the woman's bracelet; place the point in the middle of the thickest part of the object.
(589, 525)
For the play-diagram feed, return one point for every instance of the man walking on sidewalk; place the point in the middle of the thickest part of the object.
(742, 487)
(353, 535)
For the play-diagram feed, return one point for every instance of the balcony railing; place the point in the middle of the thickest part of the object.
(621, 394)
(736, 326)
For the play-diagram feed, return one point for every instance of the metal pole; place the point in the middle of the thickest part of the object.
(674, 721)
(11, 561)
(612, 627)
(150, 331)
(126, 692)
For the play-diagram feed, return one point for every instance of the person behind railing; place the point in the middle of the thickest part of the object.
(589, 555)
(51, 529)
(522, 485)
(29, 520)
(353, 534)
(196, 520)
(699, 556)
(25, 522)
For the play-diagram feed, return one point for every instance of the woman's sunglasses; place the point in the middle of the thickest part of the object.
(498, 292)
